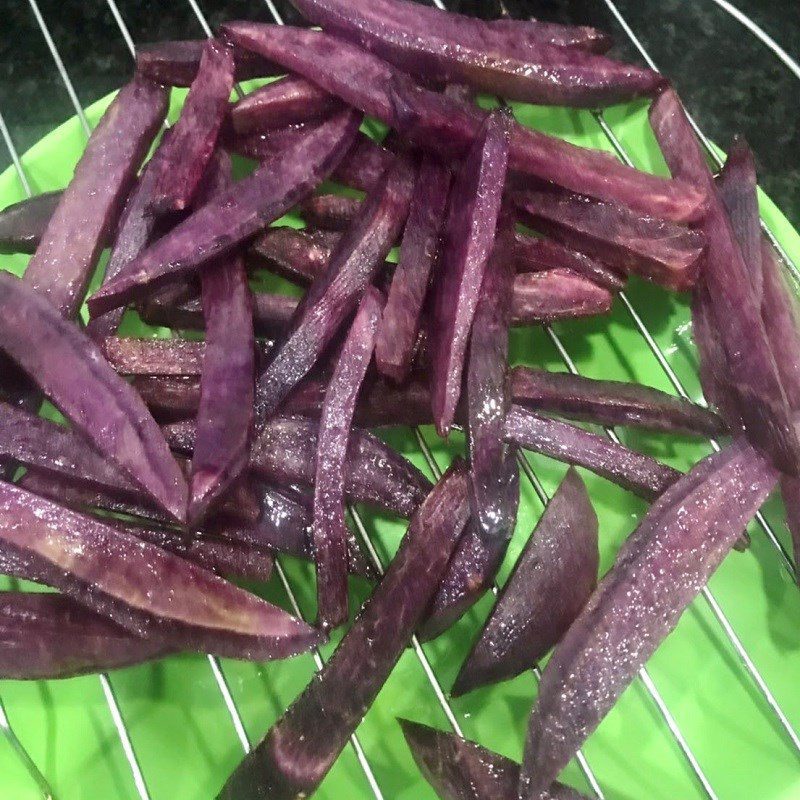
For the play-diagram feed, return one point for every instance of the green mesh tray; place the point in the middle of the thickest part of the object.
(182, 731)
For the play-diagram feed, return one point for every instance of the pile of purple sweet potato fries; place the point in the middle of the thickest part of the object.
(187, 463)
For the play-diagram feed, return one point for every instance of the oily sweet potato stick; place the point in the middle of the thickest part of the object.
(556, 294)
(219, 226)
(298, 256)
(22, 224)
(69, 369)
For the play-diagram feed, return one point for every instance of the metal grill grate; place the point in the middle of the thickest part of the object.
(771, 704)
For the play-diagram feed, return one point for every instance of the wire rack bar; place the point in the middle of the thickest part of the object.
(23, 754)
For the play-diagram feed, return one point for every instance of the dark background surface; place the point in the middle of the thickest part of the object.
(729, 80)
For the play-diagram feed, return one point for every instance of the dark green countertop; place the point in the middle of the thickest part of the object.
(728, 79)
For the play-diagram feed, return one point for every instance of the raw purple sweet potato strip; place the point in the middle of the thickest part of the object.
(285, 453)
(467, 242)
(329, 212)
(458, 769)
(45, 636)
(219, 226)
(132, 356)
(658, 572)
(227, 388)
(335, 294)
(494, 474)
(534, 254)
(142, 587)
(23, 224)
(433, 121)
(287, 101)
(90, 206)
(330, 536)
(70, 370)
(194, 136)
(298, 256)
(363, 165)
(423, 43)
(419, 252)
(175, 63)
(634, 471)
(735, 313)
(300, 748)
(610, 402)
(556, 294)
(581, 37)
(662, 251)
(548, 587)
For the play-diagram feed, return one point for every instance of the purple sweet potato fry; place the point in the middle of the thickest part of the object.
(419, 252)
(458, 769)
(131, 356)
(23, 224)
(227, 381)
(363, 165)
(329, 212)
(335, 294)
(142, 587)
(424, 43)
(330, 536)
(467, 242)
(45, 636)
(285, 453)
(193, 138)
(659, 570)
(611, 403)
(90, 206)
(287, 101)
(536, 254)
(449, 127)
(662, 251)
(298, 256)
(218, 227)
(494, 473)
(169, 398)
(175, 63)
(580, 37)
(735, 312)
(70, 369)
(556, 294)
(634, 471)
(300, 748)
(549, 586)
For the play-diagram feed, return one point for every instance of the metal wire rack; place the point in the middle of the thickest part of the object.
(771, 705)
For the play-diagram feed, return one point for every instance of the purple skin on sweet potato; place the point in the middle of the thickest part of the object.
(300, 748)
(467, 242)
(329, 212)
(424, 43)
(287, 101)
(536, 254)
(449, 127)
(735, 312)
(285, 453)
(23, 224)
(193, 138)
(45, 636)
(554, 294)
(90, 206)
(142, 587)
(298, 256)
(419, 252)
(218, 227)
(550, 584)
(458, 769)
(659, 570)
(661, 251)
(175, 63)
(634, 471)
(70, 370)
(330, 534)
(334, 295)
(611, 403)
(494, 472)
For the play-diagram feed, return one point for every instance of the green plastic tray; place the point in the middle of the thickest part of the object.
(181, 730)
